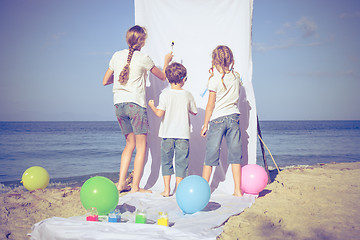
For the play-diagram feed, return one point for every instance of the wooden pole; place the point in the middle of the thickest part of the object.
(262, 150)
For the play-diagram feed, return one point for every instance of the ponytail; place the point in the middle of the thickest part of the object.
(124, 75)
(211, 71)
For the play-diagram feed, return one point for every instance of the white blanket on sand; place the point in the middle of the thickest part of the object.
(206, 224)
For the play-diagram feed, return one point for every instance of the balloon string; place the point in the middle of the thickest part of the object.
(269, 153)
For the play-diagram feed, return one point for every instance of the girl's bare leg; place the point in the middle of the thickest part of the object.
(206, 174)
(125, 161)
(236, 172)
(140, 142)
(178, 180)
(166, 191)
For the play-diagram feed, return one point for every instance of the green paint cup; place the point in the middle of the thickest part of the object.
(140, 216)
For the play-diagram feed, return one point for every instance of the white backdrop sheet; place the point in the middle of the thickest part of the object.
(196, 27)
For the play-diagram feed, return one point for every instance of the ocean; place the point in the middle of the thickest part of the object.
(73, 151)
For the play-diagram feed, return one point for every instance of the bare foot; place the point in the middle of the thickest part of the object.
(165, 194)
(238, 194)
(122, 187)
(140, 190)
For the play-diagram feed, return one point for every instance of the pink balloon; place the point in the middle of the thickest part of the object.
(253, 179)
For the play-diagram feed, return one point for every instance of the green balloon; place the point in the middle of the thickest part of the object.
(101, 193)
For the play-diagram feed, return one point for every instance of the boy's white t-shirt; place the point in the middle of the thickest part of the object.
(177, 105)
(134, 89)
(226, 99)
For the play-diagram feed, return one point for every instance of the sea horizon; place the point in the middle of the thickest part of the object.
(71, 152)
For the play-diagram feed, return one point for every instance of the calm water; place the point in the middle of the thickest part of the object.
(70, 149)
(311, 142)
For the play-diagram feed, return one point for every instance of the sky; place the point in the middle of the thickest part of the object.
(53, 55)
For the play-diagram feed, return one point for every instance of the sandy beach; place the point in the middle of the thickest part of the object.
(314, 202)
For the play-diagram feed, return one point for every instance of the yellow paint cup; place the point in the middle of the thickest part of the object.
(163, 219)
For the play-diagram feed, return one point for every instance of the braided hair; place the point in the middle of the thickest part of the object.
(222, 57)
(135, 38)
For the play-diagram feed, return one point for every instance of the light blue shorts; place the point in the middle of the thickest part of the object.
(132, 118)
(228, 126)
(181, 149)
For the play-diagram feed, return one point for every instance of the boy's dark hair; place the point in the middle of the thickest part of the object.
(175, 73)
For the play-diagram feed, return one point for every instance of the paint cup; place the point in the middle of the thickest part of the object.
(163, 219)
(92, 215)
(140, 216)
(114, 216)
(118, 215)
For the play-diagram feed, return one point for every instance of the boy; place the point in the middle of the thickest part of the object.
(174, 107)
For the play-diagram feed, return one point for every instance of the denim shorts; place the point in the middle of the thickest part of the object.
(228, 126)
(132, 118)
(181, 149)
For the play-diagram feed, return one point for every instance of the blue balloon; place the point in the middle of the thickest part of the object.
(193, 194)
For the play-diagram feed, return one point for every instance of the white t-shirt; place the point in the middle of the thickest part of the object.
(226, 99)
(176, 121)
(134, 89)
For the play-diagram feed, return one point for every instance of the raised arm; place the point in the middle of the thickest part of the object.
(208, 112)
(161, 74)
(109, 77)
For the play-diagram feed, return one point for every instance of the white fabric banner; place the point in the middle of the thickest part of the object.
(196, 28)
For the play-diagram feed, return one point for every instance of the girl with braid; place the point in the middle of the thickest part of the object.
(222, 115)
(128, 71)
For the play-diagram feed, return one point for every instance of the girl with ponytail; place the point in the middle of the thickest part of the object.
(128, 72)
(222, 116)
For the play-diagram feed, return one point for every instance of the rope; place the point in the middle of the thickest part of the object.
(269, 153)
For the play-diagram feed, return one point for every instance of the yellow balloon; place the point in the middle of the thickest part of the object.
(35, 178)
